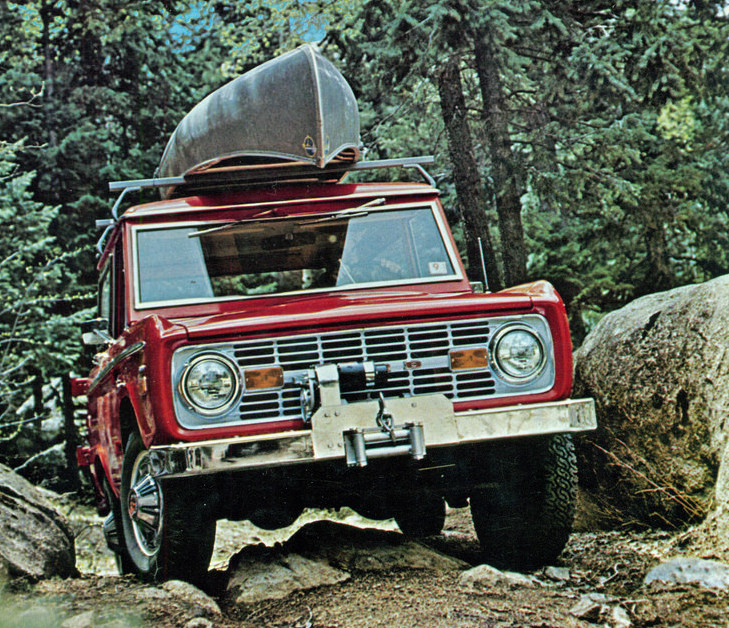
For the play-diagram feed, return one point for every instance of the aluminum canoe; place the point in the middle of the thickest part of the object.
(296, 110)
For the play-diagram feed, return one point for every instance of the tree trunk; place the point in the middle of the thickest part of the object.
(465, 173)
(69, 424)
(504, 170)
(46, 13)
(659, 276)
(38, 407)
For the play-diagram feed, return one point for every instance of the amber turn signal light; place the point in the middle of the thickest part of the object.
(261, 379)
(469, 359)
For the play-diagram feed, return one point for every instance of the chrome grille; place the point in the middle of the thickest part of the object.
(425, 347)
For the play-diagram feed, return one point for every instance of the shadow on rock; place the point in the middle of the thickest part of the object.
(325, 553)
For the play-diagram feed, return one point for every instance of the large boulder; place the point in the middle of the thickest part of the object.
(35, 541)
(658, 370)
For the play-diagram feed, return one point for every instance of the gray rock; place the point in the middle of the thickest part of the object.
(192, 595)
(37, 617)
(151, 593)
(682, 570)
(83, 620)
(590, 607)
(619, 618)
(199, 622)
(367, 549)
(323, 553)
(36, 540)
(274, 577)
(658, 370)
(44, 466)
(485, 575)
(561, 574)
(4, 572)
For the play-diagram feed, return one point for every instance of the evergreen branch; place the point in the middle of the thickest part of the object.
(23, 304)
(23, 422)
(13, 369)
(10, 257)
(26, 103)
(6, 439)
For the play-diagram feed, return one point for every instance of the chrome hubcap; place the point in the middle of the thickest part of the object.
(144, 506)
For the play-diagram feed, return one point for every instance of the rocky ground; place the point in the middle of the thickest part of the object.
(387, 582)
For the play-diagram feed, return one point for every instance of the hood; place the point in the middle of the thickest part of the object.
(318, 312)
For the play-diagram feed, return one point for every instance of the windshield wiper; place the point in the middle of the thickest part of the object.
(352, 212)
(234, 223)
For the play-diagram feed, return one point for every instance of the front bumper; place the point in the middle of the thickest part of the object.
(356, 432)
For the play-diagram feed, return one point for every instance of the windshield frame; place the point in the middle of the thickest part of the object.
(442, 228)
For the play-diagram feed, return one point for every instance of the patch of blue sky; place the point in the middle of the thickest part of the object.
(200, 18)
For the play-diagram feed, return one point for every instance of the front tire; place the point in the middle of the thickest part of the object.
(523, 518)
(113, 528)
(421, 514)
(167, 534)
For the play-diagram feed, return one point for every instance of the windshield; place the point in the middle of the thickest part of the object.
(283, 255)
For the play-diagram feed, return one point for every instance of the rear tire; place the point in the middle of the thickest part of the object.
(168, 534)
(420, 514)
(523, 520)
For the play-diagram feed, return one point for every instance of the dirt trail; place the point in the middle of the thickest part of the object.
(608, 566)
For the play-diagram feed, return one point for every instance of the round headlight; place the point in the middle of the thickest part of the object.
(210, 384)
(519, 353)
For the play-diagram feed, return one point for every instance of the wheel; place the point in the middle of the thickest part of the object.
(421, 513)
(113, 532)
(167, 534)
(373, 507)
(524, 518)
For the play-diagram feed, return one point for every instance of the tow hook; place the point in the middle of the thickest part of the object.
(384, 419)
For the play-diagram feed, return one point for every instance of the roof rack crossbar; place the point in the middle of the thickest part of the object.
(407, 162)
(117, 186)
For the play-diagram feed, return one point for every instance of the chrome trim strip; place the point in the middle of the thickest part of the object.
(246, 452)
(346, 288)
(129, 351)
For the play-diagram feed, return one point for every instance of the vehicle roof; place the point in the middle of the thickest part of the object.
(257, 197)
(309, 193)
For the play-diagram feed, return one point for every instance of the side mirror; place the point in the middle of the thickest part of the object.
(95, 332)
(478, 287)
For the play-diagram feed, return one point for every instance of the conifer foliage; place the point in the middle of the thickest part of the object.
(585, 143)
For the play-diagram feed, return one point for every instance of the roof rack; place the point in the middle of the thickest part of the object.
(248, 175)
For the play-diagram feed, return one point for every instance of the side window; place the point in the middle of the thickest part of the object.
(118, 317)
(105, 294)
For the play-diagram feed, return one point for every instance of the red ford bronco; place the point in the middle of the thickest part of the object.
(274, 338)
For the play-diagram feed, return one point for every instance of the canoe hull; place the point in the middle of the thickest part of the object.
(296, 109)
